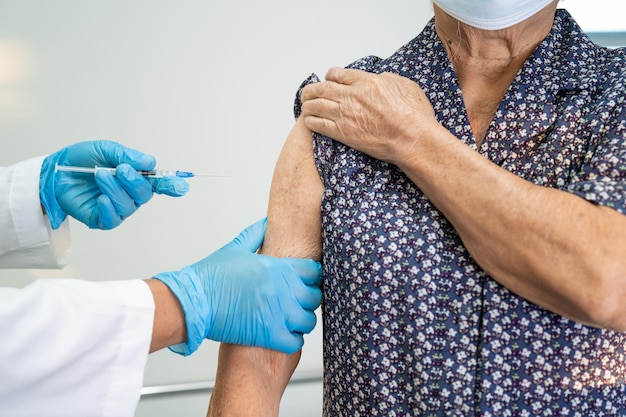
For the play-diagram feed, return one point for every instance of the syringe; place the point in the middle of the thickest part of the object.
(155, 173)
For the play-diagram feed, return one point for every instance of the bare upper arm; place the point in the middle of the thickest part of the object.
(250, 381)
(294, 212)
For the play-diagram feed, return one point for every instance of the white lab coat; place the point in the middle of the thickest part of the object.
(67, 347)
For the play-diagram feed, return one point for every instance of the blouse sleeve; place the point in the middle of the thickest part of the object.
(602, 178)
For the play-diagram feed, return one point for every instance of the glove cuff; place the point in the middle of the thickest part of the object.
(47, 194)
(186, 287)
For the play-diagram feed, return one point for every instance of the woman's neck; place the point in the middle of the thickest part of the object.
(494, 51)
(486, 61)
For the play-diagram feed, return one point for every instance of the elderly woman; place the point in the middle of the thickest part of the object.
(471, 224)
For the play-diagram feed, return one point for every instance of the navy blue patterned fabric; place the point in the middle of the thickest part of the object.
(412, 325)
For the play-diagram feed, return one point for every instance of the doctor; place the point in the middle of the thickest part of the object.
(79, 348)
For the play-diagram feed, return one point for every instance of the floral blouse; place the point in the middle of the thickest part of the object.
(412, 325)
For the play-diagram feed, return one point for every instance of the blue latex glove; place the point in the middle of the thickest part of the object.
(103, 200)
(238, 296)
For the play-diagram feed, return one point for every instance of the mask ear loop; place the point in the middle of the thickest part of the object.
(457, 46)
(458, 35)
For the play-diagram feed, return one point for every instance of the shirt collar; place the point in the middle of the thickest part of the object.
(561, 65)
(564, 61)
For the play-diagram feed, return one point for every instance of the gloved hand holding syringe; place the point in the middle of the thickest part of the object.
(122, 179)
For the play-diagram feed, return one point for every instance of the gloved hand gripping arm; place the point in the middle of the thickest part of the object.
(103, 200)
(238, 296)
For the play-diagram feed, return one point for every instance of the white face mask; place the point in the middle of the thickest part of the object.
(491, 14)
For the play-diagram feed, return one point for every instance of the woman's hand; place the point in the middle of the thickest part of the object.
(382, 115)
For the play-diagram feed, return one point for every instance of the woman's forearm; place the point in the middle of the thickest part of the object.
(250, 381)
(548, 246)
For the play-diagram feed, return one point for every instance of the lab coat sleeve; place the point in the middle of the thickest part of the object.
(74, 348)
(27, 240)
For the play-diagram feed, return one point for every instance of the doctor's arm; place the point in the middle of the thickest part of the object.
(169, 326)
(250, 381)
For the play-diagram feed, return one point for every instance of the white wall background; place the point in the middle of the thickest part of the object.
(206, 86)
(598, 16)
